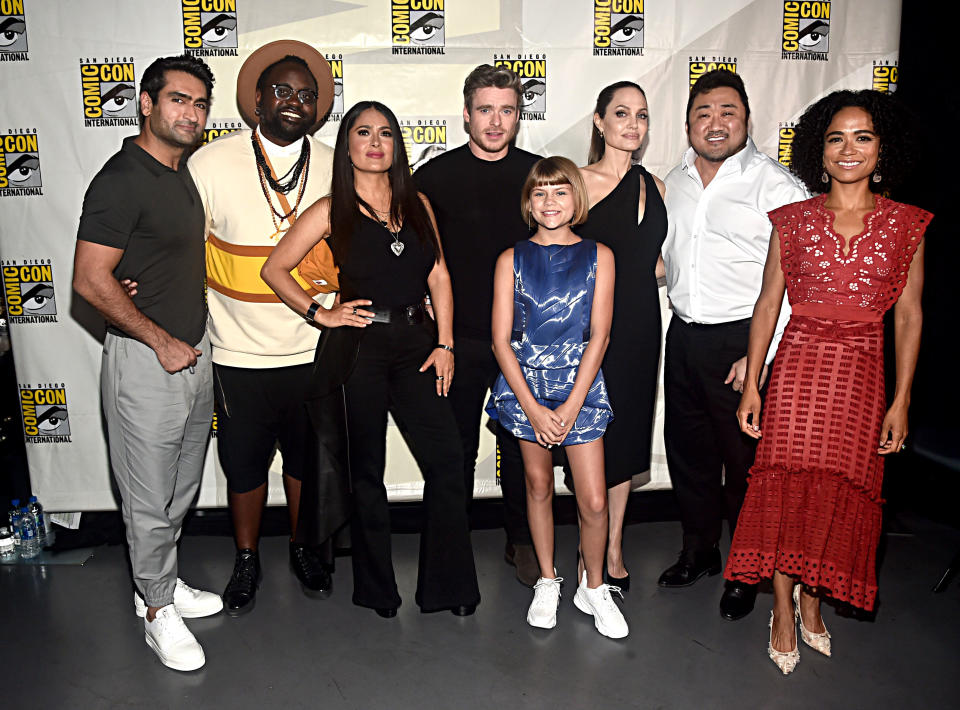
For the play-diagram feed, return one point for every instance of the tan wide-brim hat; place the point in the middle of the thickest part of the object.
(273, 52)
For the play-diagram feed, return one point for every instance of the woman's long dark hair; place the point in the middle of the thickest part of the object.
(405, 204)
(597, 144)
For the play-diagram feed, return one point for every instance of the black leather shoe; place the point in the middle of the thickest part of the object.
(387, 612)
(691, 566)
(622, 582)
(463, 610)
(737, 600)
(315, 578)
(240, 596)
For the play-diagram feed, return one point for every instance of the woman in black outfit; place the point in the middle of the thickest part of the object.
(628, 215)
(379, 345)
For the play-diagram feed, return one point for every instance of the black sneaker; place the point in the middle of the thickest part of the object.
(315, 578)
(240, 596)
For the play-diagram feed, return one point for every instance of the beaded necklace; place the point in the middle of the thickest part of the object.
(265, 174)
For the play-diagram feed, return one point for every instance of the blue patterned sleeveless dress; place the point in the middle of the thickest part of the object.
(552, 300)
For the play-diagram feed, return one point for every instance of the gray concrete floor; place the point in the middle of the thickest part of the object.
(72, 640)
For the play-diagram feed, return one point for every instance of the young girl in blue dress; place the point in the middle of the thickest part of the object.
(552, 307)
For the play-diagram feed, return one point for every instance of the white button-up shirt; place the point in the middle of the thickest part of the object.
(718, 236)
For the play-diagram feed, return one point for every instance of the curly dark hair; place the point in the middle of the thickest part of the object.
(891, 123)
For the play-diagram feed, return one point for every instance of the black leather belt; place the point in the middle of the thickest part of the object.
(409, 315)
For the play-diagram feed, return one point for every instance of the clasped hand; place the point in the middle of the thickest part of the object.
(551, 426)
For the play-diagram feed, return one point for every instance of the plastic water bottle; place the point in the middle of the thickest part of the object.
(29, 544)
(8, 552)
(39, 519)
(14, 517)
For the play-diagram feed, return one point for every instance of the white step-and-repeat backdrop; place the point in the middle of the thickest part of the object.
(69, 73)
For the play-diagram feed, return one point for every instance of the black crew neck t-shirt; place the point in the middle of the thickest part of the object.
(155, 215)
(477, 205)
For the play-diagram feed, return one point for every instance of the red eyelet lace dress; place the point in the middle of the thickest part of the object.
(812, 508)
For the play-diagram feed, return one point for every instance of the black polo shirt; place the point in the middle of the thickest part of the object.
(138, 204)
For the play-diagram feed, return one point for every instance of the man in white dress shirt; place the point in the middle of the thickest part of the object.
(716, 247)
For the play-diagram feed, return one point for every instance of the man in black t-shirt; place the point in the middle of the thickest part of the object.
(475, 193)
(143, 219)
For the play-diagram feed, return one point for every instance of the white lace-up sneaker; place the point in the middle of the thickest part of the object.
(546, 598)
(599, 603)
(172, 641)
(191, 603)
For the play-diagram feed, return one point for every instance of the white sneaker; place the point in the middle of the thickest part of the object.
(546, 598)
(172, 641)
(191, 603)
(599, 603)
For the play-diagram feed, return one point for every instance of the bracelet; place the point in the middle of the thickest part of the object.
(312, 311)
(448, 348)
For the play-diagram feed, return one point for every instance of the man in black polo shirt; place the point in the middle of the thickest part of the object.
(143, 219)
(475, 193)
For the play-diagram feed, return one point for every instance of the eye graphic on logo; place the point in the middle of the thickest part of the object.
(11, 30)
(338, 87)
(50, 420)
(218, 29)
(38, 298)
(426, 27)
(626, 30)
(23, 168)
(814, 37)
(431, 151)
(115, 101)
(531, 92)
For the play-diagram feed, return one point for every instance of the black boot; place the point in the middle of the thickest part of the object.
(315, 578)
(240, 596)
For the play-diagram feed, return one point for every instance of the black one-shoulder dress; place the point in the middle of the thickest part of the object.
(633, 356)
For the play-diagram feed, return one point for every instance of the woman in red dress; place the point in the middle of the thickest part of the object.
(811, 518)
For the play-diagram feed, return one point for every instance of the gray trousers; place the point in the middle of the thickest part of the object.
(158, 427)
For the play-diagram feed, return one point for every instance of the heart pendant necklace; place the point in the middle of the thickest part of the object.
(397, 246)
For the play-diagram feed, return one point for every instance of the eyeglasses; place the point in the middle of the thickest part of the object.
(284, 92)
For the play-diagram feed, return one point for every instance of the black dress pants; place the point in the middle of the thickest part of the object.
(708, 455)
(476, 371)
(386, 377)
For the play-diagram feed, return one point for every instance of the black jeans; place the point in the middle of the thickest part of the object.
(476, 370)
(708, 455)
(386, 377)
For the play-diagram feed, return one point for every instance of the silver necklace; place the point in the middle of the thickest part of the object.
(397, 246)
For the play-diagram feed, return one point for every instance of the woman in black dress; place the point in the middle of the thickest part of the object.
(628, 215)
(384, 240)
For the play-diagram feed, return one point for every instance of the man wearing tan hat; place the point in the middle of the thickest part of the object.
(253, 185)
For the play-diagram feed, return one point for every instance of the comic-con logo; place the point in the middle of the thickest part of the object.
(785, 133)
(109, 92)
(20, 163)
(417, 26)
(532, 70)
(424, 138)
(805, 33)
(701, 65)
(44, 412)
(215, 129)
(13, 31)
(617, 27)
(885, 76)
(28, 289)
(210, 27)
(336, 68)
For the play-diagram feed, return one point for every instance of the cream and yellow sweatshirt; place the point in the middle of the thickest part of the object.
(249, 326)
